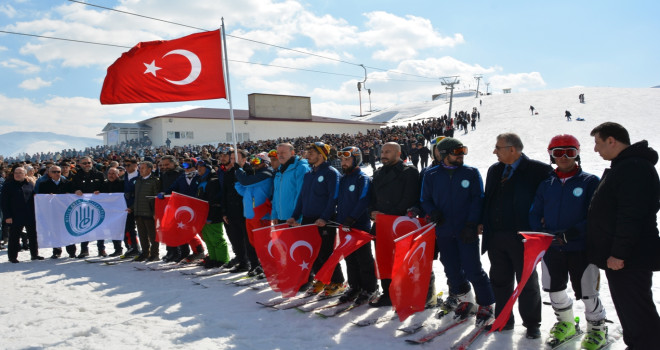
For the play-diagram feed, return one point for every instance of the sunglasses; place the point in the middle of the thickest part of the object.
(272, 153)
(55, 171)
(460, 151)
(569, 152)
(85, 163)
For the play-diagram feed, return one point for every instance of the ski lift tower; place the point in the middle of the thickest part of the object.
(478, 77)
(449, 82)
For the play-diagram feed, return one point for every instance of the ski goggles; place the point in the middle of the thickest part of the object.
(186, 165)
(569, 152)
(255, 161)
(459, 151)
(272, 153)
(436, 140)
(354, 151)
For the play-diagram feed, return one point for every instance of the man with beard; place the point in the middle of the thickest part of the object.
(130, 178)
(169, 171)
(352, 203)
(395, 189)
(452, 195)
(114, 184)
(88, 180)
(316, 204)
(210, 190)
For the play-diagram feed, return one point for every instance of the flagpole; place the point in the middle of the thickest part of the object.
(429, 225)
(228, 88)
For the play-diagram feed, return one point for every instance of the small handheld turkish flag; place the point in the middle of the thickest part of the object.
(184, 217)
(345, 244)
(388, 228)
(184, 69)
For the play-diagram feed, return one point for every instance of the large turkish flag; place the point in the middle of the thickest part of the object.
(184, 69)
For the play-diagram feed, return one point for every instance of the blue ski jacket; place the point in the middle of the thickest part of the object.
(287, 186)
(353, 199)
(458, 194)
(559, 207)
(318, 196)
(255, 189)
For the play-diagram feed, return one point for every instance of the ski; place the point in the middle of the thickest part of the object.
(474, 335)
(231, 280)
(375, 320)
(168, 267)
(250, 280)
(340, 309)
(197, 283)
(101, 259)
(211, 272)
(259, 286)
(427, 338)
(115, 262)
(300, 302)
(322, 307)
(412, 328)
(282, 300)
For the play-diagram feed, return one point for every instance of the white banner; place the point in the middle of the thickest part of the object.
(64, 219)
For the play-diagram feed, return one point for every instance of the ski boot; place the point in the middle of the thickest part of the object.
(334, 288)
(596, 336)
(451, 303)
(565, 328)
(484, 316)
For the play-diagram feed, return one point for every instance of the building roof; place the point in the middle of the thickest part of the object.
(113, 126)
(244, 114)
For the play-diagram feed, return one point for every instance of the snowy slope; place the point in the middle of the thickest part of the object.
(67, 304)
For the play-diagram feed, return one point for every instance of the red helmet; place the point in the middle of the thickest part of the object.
(564, 141)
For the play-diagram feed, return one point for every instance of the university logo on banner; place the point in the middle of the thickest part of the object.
(64, 219)
(83, 216)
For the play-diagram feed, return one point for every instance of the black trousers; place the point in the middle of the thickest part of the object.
(70, 249)
(361, 270)
(633, 300)
(237, 234)
(328, 235)
(506, 254)
(14, 246)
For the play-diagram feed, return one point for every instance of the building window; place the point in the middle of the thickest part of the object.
(240, 137)
(180, 135)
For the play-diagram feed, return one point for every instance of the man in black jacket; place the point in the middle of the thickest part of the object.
(395, 189)
(511, 184)
(88, 180)
(232, 210)
(57, 184)
(114, 184)
(622, 233)
(170, 171)
(18, 212)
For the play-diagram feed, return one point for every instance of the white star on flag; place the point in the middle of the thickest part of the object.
(181, 225)
(411, 270)
(151, 68)
(304, 265)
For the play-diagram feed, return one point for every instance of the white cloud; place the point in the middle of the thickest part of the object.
(34, 84)
(403, 38)
(65, 115)
(20, 66)
(2, 48)
(8, 10)
(518, 81)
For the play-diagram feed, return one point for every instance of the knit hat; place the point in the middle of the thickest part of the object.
(322, 148)
(447, 144)
(264, 157)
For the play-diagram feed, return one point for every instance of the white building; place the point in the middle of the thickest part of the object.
(269, 117)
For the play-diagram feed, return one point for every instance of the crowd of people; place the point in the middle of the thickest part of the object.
(607, 223)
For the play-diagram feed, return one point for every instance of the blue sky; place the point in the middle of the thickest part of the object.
(49, 85)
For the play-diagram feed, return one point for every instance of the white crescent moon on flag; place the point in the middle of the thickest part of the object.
(298, 244)
(186, 209)
(401, 219)
(348, 239)
(421, 246)
(195, 69)
(270, 246)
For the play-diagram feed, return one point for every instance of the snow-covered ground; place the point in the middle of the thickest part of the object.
(71, 304)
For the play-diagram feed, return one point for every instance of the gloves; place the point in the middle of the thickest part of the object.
(469, 233)
(348, 222)
(413, 212)
(160, 195)
(436, 216)
(562, 238)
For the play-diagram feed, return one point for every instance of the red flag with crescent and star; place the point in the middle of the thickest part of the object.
(411, 274)
(159, 212)
(287, 255)
(388, 228)
(345, 244)
(183, 218)
(184, 69)
(535, 246)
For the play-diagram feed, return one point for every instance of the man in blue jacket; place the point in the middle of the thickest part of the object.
(316, 204)
(560, 208)
(352, 203)
(288, 182)
(452, 195)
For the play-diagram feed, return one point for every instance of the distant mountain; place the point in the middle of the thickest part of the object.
(18, 142)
